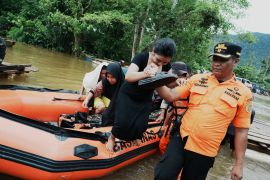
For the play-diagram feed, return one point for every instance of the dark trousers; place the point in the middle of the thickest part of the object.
(194, 166)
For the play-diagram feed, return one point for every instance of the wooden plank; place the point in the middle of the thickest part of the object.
(9, 72)
(259, 140)
(9, 42)
(8, 69)
(25, 65)
(255, 147)
(13, 67)
(262, 135)
(263, 145)
(260, 130)
(261, 123)
(9, 64)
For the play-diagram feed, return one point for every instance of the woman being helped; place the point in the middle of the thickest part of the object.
(107, 88)
(90, 81)
(133, 104)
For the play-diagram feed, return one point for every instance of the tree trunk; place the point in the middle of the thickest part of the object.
(143, 25)
(135, 40)
(251, 58)
(265, 68)
(139, 31)
(141, 35)
(77, 43)
(174, 3)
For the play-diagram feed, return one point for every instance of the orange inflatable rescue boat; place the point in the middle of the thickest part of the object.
(32, 146)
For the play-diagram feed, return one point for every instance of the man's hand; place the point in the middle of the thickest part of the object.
(181, 81)
(240, 149)
(237, 172)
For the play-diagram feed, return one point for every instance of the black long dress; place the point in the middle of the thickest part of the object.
(133, 105)
(111, 92)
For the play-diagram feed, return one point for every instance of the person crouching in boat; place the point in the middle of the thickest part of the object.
(107, 90)
(180, 70)
(170, 126)
(133, 104)
(90, 81)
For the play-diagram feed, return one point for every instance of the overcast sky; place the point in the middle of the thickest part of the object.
(257, 17)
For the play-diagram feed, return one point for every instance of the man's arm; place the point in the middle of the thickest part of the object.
(167, 94)
(95, 92)
(240, 139)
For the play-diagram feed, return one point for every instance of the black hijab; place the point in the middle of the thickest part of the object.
(111, 91)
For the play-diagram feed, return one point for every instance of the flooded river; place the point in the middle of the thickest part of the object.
(57, 70)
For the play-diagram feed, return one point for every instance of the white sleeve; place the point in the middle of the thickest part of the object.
(164, 104)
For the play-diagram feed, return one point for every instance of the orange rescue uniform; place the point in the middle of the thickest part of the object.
(212, 107)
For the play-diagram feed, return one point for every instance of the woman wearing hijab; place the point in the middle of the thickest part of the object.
(91, 79)
(107, 89)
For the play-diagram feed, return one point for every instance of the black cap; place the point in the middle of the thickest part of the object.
(227, 50)
(179, 68)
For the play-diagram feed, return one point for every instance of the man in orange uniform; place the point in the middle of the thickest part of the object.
(216, 99)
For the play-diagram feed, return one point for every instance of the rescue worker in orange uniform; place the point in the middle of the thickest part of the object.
(215, 100)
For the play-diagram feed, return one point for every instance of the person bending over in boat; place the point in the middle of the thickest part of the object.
(181, 70)
(90, 81)
(107, 89)
(133, 104)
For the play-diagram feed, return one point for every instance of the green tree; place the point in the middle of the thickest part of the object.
(9, 10)
(249, 39)
(247, 72)
(265, 69)
(119, 29)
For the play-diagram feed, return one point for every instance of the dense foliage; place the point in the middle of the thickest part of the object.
(118, 29)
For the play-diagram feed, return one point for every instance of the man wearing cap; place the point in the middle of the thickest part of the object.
(215, 100)
(180, 69)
